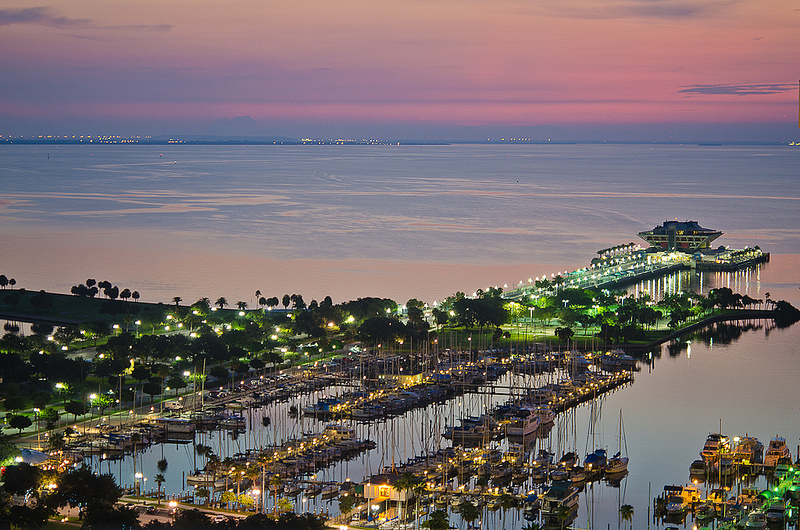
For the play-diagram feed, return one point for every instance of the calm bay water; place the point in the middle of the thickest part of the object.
(425, 222)
(349, 221)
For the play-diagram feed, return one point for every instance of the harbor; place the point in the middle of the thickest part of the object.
(412, 441)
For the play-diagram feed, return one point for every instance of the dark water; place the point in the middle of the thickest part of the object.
(426, 222)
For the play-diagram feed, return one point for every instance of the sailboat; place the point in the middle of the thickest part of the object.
(618, 464)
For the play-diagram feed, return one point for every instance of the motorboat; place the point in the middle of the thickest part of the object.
(776, 513)
(698, 468)
(748, 450)
(748, 498)
(782, 468)
(756, 520)
(523, 426)
(337, 433)
(777, 449)
(558, 496)
(330, 491)
(313, 489)
(705, 512)
(676, 505)
(291, 489)
(715, 445)
(560, 474)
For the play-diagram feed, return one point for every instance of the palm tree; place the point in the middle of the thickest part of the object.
(626, 512)
(159, 478)
(221, 302)
(563, 513)
(276, 482)
(506, 502)
(262, 461)
(404, 484)
(241, 305)
(418, 489)
(437, 520)
(258, 294)
(177, 300)
(469, 512)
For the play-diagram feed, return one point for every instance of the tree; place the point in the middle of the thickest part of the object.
(76, 408)
(564, 333)
(626, 512)
(563, 514)
(106, 517)
(469, 512)
(141, 372)
(19, 422)
(159, 478)
(13, 403)
(346, 503)
(81, 487)
(221, 302)
(177, 300)
(151, 389)
(437, 520)
(241, 305)
(21, 479)
(285, 505)
(275, 483)
(404, 484)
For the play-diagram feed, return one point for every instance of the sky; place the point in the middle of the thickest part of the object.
(422, 69)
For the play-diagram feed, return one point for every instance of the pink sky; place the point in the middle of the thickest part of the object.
(183, 65)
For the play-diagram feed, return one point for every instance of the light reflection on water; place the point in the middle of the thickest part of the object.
(745, 386)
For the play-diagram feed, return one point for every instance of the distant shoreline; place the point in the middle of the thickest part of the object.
(250, 141)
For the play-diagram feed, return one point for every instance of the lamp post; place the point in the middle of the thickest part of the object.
(36, 419)
(62, 387)
(92, 397)
(138, 477)
(256, 492)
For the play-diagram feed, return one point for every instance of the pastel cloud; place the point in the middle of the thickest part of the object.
(740, 90)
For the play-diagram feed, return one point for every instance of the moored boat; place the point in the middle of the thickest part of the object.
(777, 449)
(715, 445)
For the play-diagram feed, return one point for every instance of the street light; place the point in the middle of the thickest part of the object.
(36, 419)
(138, 476)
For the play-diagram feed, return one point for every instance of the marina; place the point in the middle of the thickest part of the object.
(470, 474)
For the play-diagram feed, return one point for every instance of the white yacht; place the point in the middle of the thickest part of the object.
(715, 445)
(776, 450)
